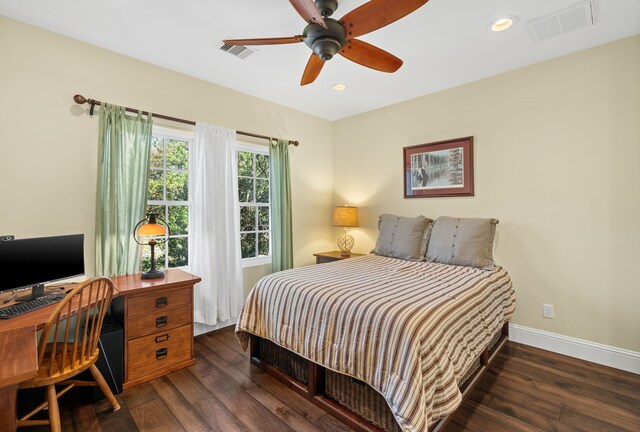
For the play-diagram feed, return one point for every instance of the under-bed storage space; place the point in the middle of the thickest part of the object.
(350, 400)
(360, 398)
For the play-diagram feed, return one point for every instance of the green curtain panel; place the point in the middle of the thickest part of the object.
(282, 229)
(124, 145)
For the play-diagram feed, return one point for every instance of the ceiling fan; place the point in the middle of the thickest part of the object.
(327, 37)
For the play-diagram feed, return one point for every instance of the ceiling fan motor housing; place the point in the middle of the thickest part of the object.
(325, 42)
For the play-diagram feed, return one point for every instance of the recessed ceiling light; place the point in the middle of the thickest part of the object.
(502, 24)
(340, 87)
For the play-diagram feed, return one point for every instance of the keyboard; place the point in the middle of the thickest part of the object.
(30, 305)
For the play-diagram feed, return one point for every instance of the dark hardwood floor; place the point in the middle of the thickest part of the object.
(526, 390)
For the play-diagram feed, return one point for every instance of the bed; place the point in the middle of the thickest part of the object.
(382, 343)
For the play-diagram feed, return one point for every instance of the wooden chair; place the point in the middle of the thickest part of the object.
(73, 348)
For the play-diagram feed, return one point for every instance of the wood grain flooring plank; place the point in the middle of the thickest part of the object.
(190, 388)
(110, 420)
(283, 411)
(561, 396)
(583, 389)
(155, 416)
(299, 403)
(223, 351)
(244, 407)
(66, 416)
(579, 366)
(615, 384)
(487, 419)
(591, 420)
(85, 418)
(228, 337)
(218, 363)
(181, 409)
(519, 396)
(548, 368)
(522, 412)
(218, 416)
(557, 362)
(139, 395)
(328, 423)
(526, 389)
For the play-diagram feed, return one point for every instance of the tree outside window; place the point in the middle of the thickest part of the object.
(168, 196)
(253, 195)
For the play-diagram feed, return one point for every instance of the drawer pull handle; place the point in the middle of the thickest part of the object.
(162, 353)
(162, 338)
(162, 302)
(162, 321)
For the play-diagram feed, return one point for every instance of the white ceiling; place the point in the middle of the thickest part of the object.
(443, 44)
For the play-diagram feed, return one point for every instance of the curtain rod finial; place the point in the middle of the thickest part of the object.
(79, 99)
(295, 143)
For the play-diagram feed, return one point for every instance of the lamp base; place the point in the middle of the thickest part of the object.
(345, 243)
(153, 274)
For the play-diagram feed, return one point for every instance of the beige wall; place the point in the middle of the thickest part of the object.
(48, 145)
(556, 152)
(557, 149)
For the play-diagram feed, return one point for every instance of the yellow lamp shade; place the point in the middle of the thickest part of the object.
(152, 230)
(345, 216)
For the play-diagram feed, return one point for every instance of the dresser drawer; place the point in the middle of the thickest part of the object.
(157, 301)
(159, 320)
(159, 351)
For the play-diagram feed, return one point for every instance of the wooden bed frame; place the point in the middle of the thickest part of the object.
(315, 389)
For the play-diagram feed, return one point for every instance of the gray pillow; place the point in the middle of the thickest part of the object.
(403, 237)
(463, 241)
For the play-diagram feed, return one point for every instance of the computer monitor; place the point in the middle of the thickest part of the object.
(33, 262)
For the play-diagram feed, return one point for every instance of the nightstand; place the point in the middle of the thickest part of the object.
(326, 257)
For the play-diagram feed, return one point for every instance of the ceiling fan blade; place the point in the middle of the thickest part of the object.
(265, 41)
(311, 72)
(308, 10)
(370, 56)
(377, 14)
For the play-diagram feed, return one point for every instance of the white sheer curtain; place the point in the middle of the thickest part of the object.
(215, 226)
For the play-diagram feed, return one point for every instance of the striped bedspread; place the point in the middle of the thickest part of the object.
(410, 330)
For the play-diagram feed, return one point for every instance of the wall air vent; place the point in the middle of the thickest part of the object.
(239, 51)
(563, 21)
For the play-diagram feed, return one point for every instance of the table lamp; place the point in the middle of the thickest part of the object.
(345, 216)
(149, 227)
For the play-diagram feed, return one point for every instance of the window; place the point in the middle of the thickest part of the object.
(168, 196)
(253, 196)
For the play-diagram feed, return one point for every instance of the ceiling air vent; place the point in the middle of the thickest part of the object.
(240, 51)
(563, 21)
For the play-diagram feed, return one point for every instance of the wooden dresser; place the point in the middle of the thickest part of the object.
(157, 317)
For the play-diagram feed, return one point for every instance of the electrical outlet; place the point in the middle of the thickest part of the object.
(547, 311)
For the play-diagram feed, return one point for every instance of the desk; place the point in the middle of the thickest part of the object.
(168, 302)
(19, 363)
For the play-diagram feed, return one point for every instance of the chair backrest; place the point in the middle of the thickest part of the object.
(76, 338)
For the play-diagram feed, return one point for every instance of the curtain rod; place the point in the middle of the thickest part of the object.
(79, 99)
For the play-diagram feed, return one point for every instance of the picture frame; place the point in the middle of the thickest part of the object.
(439, 169)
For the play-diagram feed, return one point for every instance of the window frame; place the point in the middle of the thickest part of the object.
(256, 149)
(179, 136)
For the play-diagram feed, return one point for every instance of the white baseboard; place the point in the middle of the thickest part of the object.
(579, 348)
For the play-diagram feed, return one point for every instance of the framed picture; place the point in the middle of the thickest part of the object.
(440, 169)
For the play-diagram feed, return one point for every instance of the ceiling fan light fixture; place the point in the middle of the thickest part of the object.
(502, 24)
(340, 87)
(326, 47)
